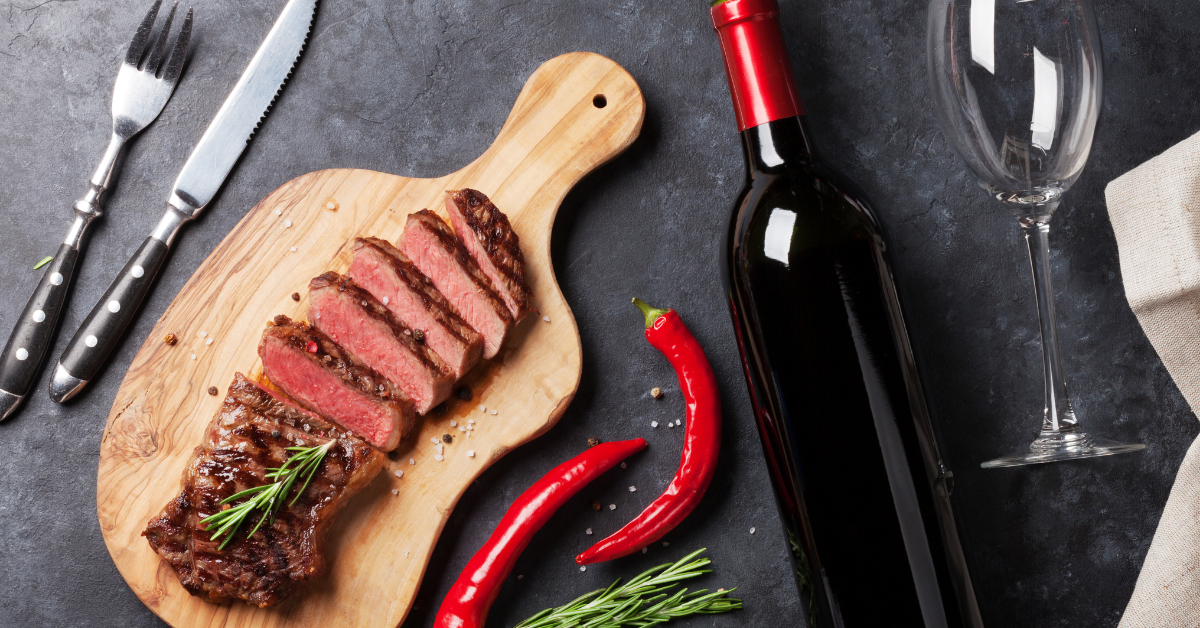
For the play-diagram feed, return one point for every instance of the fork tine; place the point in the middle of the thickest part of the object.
(138, 45)
(179, 52)
(160, 45)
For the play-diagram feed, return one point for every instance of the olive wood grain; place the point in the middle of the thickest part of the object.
(379, 547)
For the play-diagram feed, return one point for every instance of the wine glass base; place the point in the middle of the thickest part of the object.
(1056, 447)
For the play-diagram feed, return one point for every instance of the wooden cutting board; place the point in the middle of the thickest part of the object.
(576, 112)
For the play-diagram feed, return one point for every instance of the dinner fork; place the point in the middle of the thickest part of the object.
(144, 85)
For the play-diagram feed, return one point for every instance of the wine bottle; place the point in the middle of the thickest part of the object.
(833, 383)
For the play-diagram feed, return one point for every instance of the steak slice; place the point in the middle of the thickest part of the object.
(491, 241)
(312, 369)
(431, 245)
(388, 274)
(370, 332)
(249, 435)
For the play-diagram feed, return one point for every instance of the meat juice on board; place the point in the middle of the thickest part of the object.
(853, 459)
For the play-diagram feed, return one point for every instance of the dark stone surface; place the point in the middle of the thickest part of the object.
(420, 88)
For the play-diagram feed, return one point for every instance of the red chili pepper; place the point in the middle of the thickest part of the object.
(701, 442)
(467, 603)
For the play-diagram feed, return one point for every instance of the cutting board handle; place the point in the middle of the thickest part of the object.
(576, 112)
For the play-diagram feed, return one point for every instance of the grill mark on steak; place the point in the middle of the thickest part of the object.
(491, 241)
(250, 434)
(379, 339)
(366, 402)
(479, 304)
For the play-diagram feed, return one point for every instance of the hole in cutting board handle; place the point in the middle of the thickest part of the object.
(599, 101)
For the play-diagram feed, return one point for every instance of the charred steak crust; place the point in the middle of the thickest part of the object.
(449, 241)
(437, 305)
(249, 435)
(495, 235)
(333, 357)
(378, 311)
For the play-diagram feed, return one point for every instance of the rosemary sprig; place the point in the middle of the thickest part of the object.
(267, 498)
(641, 602)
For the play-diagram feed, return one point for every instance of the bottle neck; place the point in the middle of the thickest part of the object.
(756, 62)
(777, 146)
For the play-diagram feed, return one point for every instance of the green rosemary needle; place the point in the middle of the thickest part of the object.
(641, 602)
(45, 260)
(267, 498)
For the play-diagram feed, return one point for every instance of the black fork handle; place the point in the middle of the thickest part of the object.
(34, 332)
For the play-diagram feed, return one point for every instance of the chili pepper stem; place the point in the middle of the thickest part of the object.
(650, 313)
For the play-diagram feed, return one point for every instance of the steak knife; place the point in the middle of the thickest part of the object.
(206, 169)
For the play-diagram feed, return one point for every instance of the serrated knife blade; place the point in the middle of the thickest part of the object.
(206, 169)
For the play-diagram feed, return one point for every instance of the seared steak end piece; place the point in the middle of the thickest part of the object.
(372, 333)
(388, 274)
(249, 435)
(491, 241)
(433, 248)
(312, 369)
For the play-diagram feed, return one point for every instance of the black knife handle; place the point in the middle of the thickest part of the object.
(34, 332)
(102, 329)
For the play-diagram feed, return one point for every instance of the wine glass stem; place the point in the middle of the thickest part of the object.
(1059, 417)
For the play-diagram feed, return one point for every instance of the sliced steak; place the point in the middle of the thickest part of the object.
(312, 369)
(388, 274)
(249, 435)
(492, 243)
(373, 334)
(431, 245)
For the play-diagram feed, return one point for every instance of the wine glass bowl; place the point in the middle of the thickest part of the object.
(1017, 86)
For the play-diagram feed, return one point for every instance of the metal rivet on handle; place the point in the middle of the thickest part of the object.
(114, 307)
(56, 279)
(137, 272)
(39, 316)
(90, 341)
(22, 354)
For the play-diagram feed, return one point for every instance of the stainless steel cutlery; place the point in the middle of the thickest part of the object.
(201, 177)
(145, 82)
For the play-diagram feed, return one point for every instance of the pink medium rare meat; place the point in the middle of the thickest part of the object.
(372, 333)
(388, 274)
(492, 243)
(312, 369)
(249, 435)
(431, 245)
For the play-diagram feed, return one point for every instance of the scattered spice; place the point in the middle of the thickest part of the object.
(202, 334)
(622, 465)
(453, 423)
(656, 392)
(193, 356)
(612, 506)
(311, 347)
(593, 441)
(295, 296)
(412, 461)
(399, 473)
(419, 335)
(208, 342)
(446, 438)
(278, 212)
(654, 424)
(438, 457)
(666, 544)
(492, 412)
(588, 531)
(633, 489)
(395, 491)
(595, 505)
(287, 223)
(212, 390)
(393, 455)
(583, 569)
(441, 409)
(546, 318)
(170, 339)
(470, 453)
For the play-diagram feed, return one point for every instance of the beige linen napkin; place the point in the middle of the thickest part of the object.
(1155, 213)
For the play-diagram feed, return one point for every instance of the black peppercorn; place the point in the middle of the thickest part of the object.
(212, 390)
(446, 438)
(295, 296)
(593, 441)
(464, 393)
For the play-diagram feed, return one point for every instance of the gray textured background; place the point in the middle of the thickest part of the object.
(420, 88)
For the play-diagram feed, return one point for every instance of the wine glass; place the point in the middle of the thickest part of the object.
(1017, 86)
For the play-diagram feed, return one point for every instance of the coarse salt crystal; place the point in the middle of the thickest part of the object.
(438, 457)
(462, 429)
(406, 554)
(293, 249)
(588, 531)
(482, 408)
(453, 422)
(679, 422)
(470, 453)
(208, 342)
(666, 544)
(287, 223)
(546, 318)
(435, 441)
(492, 412)
(623, 465)
(332, 205)
(385, 300)
(519, 576)
(470, 421)
(751, 530)
(395, 491)
(193, 356)
(654, 424)
(278, 212)
(583, 569)
(670, 425)
(399, 473)
(612, 506)
(633, 489)
(645, 549)
(412, 461)
(203, 334)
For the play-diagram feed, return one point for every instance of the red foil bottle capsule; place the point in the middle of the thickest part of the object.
(762, 92)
